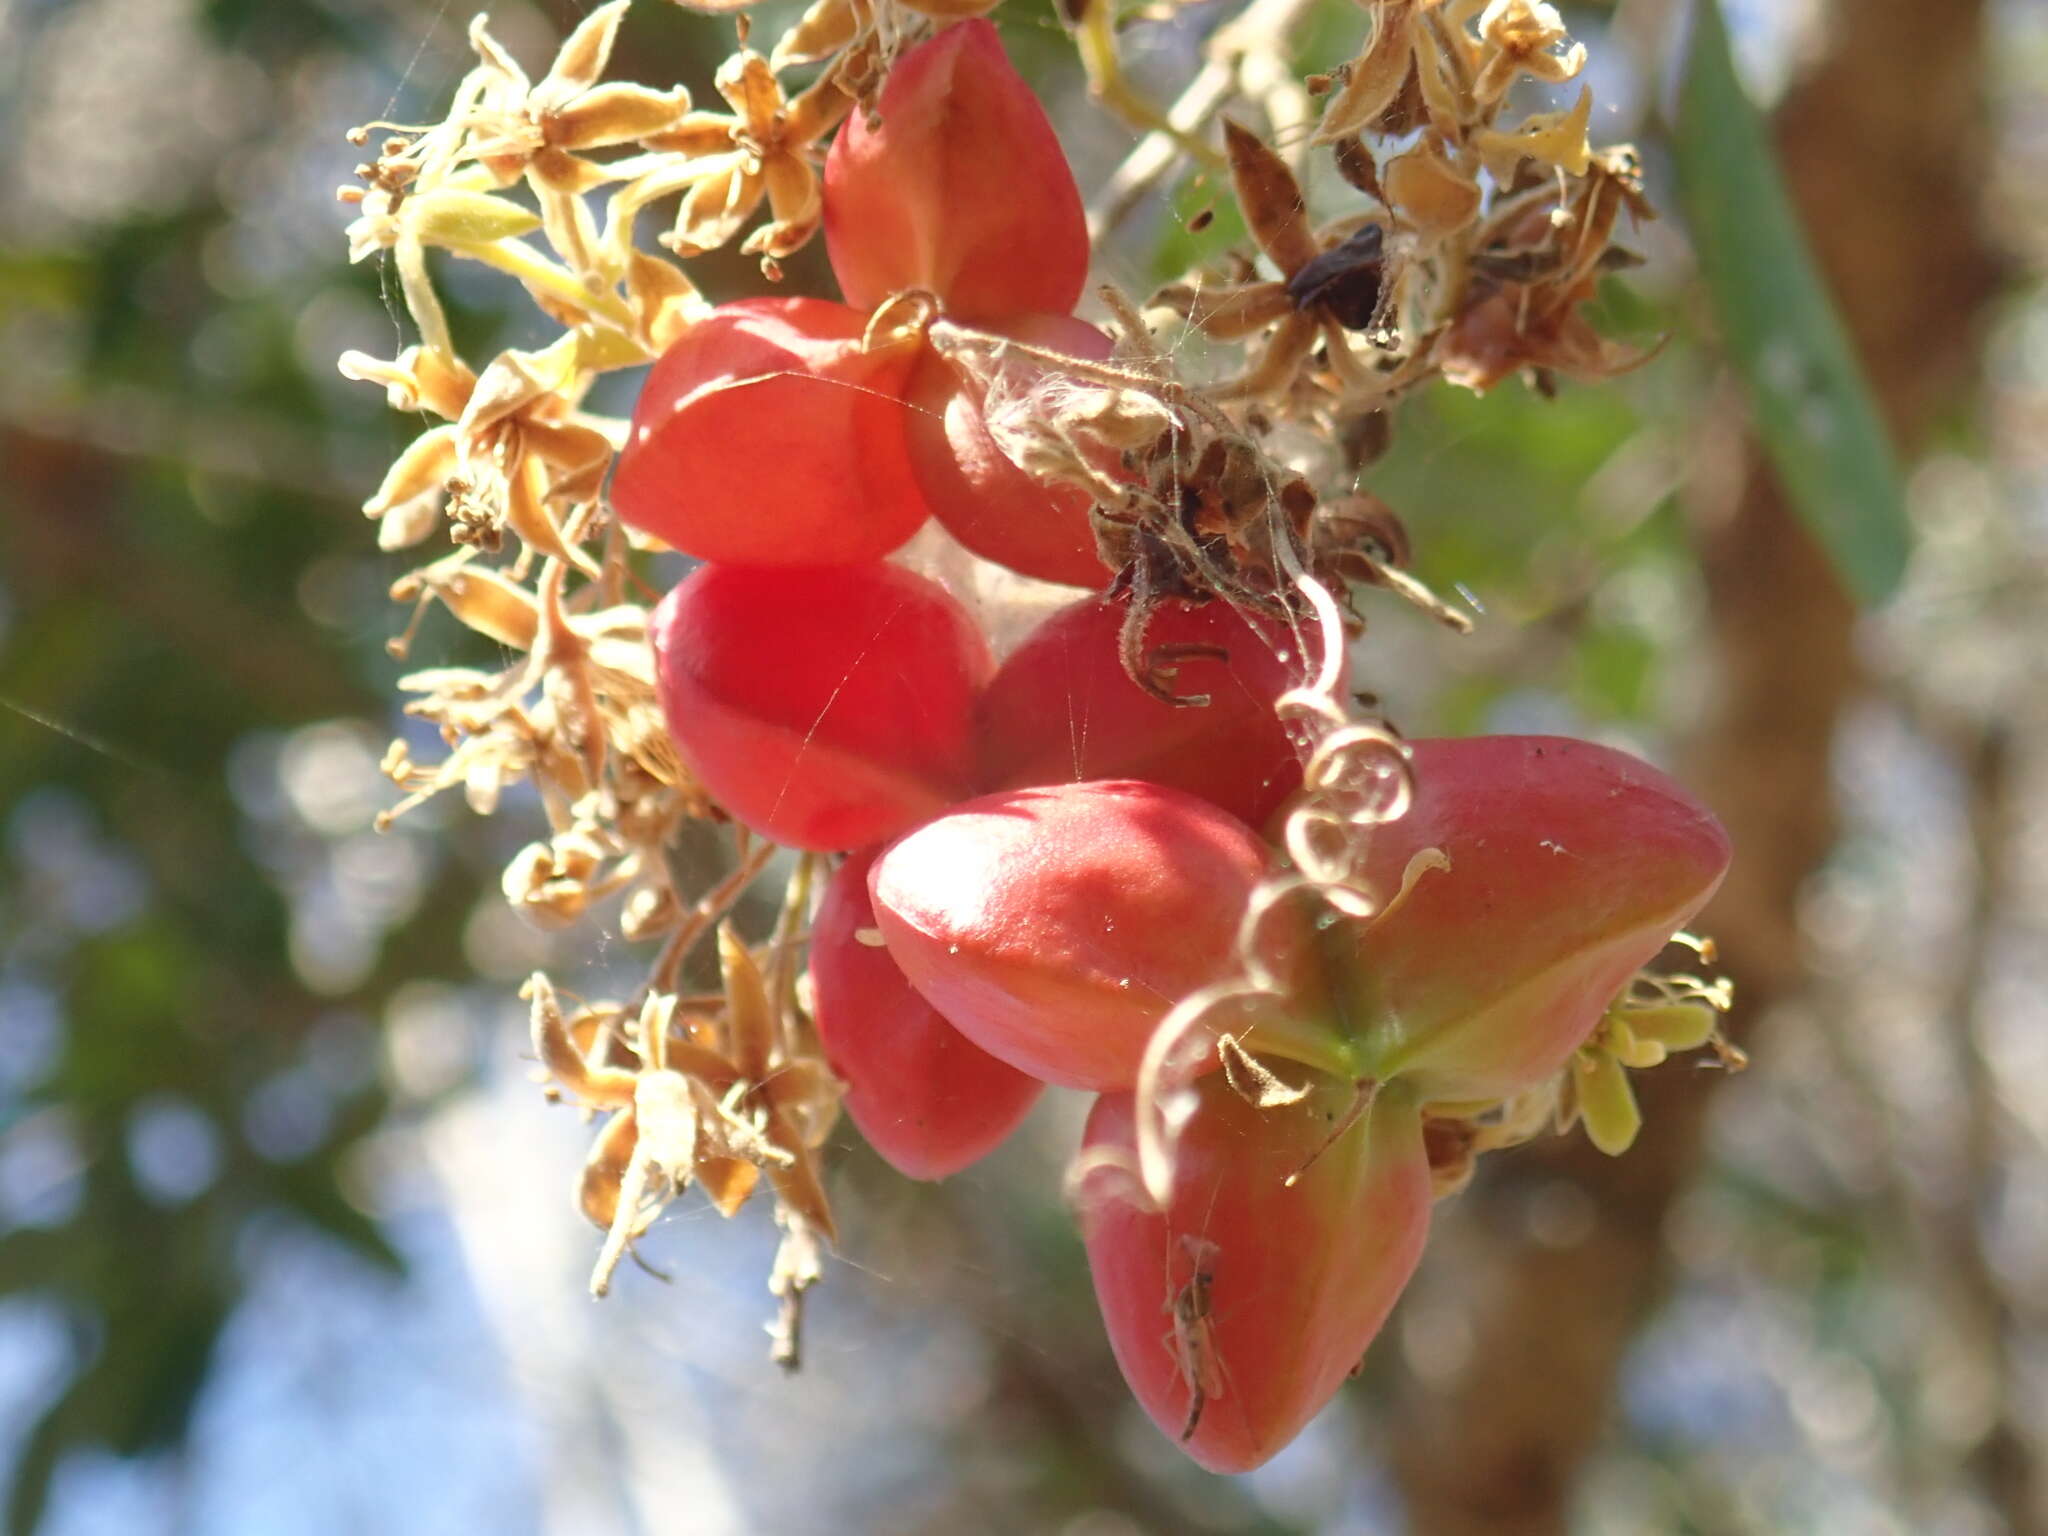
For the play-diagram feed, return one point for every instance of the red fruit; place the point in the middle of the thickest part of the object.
(825, 708)
(1062, 707)
(767, 436)
(961, 189)
(1571, 865)
(1056, 927)
(927, 1098)
(983, 499)
(1238, 1311)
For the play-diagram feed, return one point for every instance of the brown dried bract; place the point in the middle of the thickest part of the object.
(1331, 283)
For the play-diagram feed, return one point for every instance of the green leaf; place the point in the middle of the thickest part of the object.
(1184, 249)
(309, 1189)
(1807, 395)
(1613, 667)
(35, 1468)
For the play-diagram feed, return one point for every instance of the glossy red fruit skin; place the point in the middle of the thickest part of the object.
(1057, 926)
(767, 436)
(983, 499)
(961, 189)
(927, 1098)
(826, 708)
(1572, 864)
(1298, 1281)
(1062, 708)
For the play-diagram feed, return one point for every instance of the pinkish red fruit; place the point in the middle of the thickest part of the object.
(961, 189)
(1237, 1312)
(1063, 708)
(983, 499)
(927, 1098)
(1057, 926)
(1571, 865)
(826, 708)
(768, 436)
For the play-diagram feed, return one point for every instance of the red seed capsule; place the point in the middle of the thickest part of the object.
(960, 189)
(826, 708)
(927, 1098)
(768, 436)
(924, 1096)
(1238, 1310)
(983, 499)
(1570, 866)
(1063, 708)
(1057, 927)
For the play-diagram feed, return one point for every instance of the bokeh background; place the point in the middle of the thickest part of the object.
(286, 1242)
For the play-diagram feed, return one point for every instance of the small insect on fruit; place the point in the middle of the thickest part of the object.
(1238, 1303)
(1191, 1338)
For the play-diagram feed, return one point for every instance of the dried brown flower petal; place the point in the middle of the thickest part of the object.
(1433, 196)
(1375, 77)
(1274, 209)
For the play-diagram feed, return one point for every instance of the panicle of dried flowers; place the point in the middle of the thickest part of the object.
(1472, 246)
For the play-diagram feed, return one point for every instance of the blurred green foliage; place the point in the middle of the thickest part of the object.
(154, 624)
(1807, 395)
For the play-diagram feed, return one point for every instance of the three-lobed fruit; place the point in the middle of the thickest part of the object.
(1569, 865)
(828, 725)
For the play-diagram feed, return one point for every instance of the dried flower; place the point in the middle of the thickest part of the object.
(1523, 37)
(766, 148)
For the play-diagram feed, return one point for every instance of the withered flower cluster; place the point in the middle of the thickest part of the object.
(1464, 250)
(1471, 249)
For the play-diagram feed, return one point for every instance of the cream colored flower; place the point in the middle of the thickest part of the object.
(1557, 139)
(727, 164)
(1523, 37)
(519, 129)
(515, 447)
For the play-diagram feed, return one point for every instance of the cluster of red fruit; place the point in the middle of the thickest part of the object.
(1042, 859)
